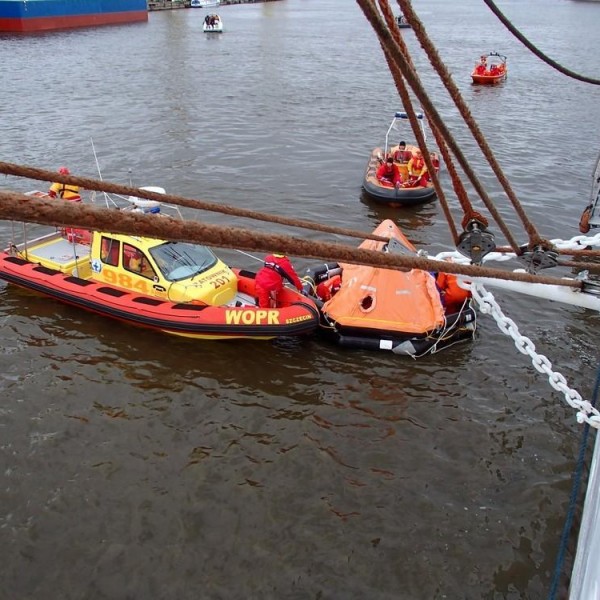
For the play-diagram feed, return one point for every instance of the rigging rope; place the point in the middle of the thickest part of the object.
(387, 41)
(535, 50)
(454, 92)
(105, 186)
(20, 207)
(408, 106)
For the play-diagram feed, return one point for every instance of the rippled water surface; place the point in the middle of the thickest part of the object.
(139, 466)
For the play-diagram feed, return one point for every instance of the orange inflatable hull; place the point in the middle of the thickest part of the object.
(296, 316)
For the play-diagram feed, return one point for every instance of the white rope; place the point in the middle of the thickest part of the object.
(586, 413)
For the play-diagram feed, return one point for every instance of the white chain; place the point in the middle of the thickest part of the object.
(488, 305)
(586, 413)
(578, 242)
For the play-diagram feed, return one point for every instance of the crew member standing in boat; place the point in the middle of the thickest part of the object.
(269, 280)
(402, 155)
(65, 191)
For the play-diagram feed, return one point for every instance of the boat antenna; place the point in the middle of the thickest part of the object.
(250, 255)
(96, 159)
(107, 198)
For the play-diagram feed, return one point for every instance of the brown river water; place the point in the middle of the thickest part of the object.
(134, 465)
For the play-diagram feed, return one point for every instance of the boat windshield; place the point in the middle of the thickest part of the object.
(180, 260)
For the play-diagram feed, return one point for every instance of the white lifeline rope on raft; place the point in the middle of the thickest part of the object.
(586, 413)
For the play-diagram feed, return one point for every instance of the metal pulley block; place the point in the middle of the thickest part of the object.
(539, 258)
(475, 242)
(588, 286)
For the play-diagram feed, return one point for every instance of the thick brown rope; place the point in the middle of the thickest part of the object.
(20, 207)
(438, 65)
(430, 110)
(105, 186)
(457, 184)
(535, 50)
(407, 103)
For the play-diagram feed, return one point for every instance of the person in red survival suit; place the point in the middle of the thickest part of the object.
(481, 68)
(388, 173)
(269, 280)
(452, 295)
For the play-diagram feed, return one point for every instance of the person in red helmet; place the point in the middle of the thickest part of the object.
(65, 191)
(269, 279)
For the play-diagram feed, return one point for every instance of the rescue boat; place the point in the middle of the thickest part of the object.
(386, 193)
(490, 70)
(212, 24)
(411, 313)
(402, 22)
(179, 288)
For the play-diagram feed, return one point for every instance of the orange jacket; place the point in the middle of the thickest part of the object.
(452, 294)
(65, 191)
(416, 166)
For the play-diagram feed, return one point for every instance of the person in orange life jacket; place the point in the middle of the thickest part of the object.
(452, 295)
(65, 191)
(389, 173)
(417, 171)
(481, 68)
(402, 155)
(269, 279)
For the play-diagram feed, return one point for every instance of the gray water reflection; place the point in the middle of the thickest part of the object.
(140, 466)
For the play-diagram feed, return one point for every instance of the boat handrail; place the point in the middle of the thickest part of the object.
(402, 115)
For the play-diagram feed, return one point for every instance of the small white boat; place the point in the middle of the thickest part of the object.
(205, 3)
(212, 24)
(401, 21)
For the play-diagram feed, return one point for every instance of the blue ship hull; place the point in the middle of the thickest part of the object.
(22, 16)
